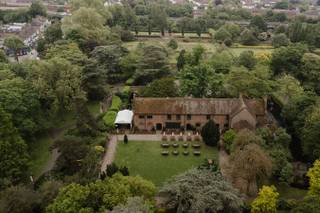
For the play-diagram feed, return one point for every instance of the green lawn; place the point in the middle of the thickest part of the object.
(288, 192)
(144, 158)
(40, 154)
(210, 47)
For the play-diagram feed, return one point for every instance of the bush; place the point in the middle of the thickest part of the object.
(186, 39)
(126, 35)
(124, 94)
(286, 205)
(280, 40)
(228, 139)
(130, 82)
(173, 44)
(210, 133)
(109, 119)
(228, 42)
(116, 104)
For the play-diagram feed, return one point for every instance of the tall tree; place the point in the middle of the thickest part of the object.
(247, 59)
(210, 133)
(153, 64)
(201, 191)
(18, 98)
(158, 17)
(13, 153)
(18, 199)
(58, 83)
(310, 73)
(37, 9)
(254, 83)
(183, 24)
(288, 59)
(165, 87)
(86, 26)
(248, 165)
(259, 23)
(53, 33)
(96, 5)
(108, 61)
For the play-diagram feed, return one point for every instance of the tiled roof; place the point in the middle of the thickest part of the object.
(195, 106)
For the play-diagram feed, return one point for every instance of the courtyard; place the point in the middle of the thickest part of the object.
(145, 158)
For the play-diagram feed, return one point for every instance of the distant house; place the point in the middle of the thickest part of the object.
(193, 113)
(112, 2)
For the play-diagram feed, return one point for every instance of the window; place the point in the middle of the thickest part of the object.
(149, 116)
(208, 117)
(141, 116)
(178, 117)
(169, 117)
(188, 117)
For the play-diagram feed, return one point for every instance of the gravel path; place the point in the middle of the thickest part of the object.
(110, 154)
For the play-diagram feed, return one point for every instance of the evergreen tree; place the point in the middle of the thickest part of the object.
(210, 133)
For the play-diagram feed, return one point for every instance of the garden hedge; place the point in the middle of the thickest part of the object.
(116, 104)
(109, 119)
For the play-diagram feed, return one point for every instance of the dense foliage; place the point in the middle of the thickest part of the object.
(201, 190)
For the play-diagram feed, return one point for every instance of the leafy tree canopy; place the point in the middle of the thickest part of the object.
(165, 87)
(201, 190)
(13, 153)
(101, 195)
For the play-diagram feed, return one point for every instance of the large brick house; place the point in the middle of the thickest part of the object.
(193, 113)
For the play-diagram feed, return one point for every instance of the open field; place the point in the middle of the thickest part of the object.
(144, 158)
(210, 47)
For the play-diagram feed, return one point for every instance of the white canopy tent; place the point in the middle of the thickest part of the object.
(124, 117)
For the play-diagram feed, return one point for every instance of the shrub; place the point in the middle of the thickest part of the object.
(130, 82)
(109, 119)
(125, 93)
(173, 44)
(228, 42)
(228, 139)
(280, 40)
(116, 104)
(210, 133)
(186, 39)
(126, 35)
(266, 201)
(286, 205)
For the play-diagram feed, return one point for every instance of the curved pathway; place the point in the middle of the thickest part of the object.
(110, 153)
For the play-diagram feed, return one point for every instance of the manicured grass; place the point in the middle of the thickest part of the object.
(40, 154)
(144, 158)
(288, 192)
